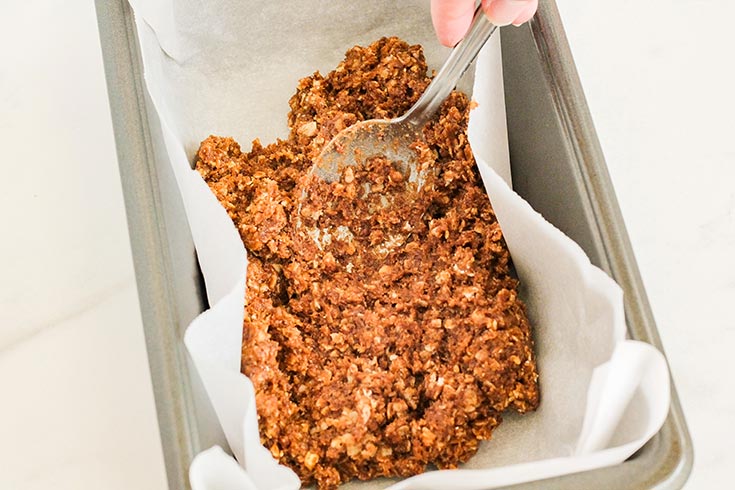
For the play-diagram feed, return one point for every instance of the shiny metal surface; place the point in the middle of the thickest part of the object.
(562, 173)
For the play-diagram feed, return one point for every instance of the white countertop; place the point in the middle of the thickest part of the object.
(76, 406)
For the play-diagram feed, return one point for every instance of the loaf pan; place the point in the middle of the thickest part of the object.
(557, 166)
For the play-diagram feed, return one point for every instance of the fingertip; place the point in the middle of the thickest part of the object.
(451, 19)
(506, 12)
(446, 35)
(526, 14)
(448, 39)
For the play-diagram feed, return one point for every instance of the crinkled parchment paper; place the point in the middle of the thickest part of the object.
(228, 67)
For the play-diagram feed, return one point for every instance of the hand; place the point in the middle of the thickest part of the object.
(452, 17)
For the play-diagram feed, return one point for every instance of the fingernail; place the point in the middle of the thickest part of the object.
(526, 13)
(504, 13)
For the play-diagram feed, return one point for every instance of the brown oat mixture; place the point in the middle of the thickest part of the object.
(367, 365)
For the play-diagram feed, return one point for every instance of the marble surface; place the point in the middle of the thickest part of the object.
(76, 403)
(659, 78)
(76, 407)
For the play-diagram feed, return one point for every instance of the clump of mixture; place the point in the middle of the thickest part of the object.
(373, 364)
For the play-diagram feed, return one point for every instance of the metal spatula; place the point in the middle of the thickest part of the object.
(394, 139)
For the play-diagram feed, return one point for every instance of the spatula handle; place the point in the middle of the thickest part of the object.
(461, 57)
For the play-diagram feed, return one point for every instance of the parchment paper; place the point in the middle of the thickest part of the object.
(229, 67)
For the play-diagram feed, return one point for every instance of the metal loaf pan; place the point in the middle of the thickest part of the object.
(557, 166)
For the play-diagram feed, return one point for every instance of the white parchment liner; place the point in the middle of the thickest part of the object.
(228, 67)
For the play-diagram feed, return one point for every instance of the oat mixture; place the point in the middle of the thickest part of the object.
(373, 364)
